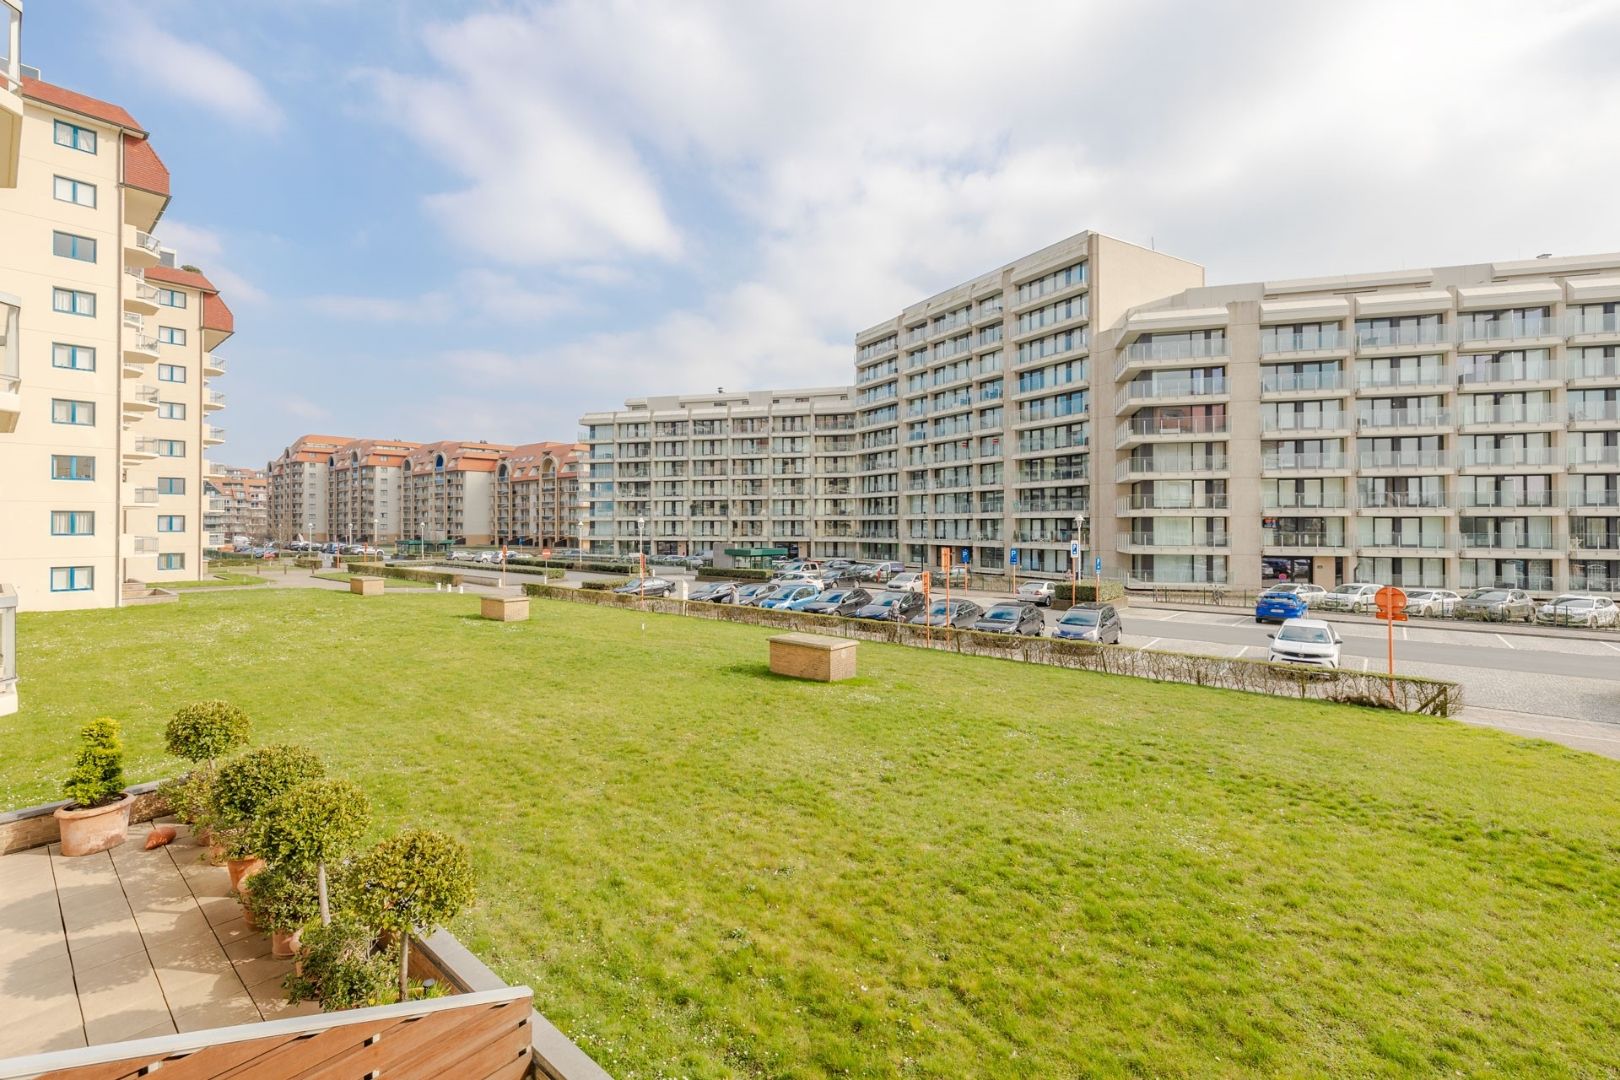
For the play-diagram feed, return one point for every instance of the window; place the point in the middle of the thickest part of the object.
(82, 413)
(73, 357)
(171, 562)
(171, 485)
(171, 335)
(75, 137)
(171, 298)
(73, 302)
(73, 523)
(75, 191)
(72, 467)
(171, 373)
(73, 246)
(171, 523)
(73, 578)
(171, 448)
(172, 410)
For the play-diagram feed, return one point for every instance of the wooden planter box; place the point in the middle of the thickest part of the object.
(812, 656)
(504, 608)
(366, 586)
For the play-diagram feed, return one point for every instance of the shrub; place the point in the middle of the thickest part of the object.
(306, 563)
(310, 826)
(282, 898)
(188, 796)
(248, 783)
(98, 775)
(405, 573)
(733, 573)
(1067, 595)
(600, 586)
(206, 730)
(411, 882)
(337, 967)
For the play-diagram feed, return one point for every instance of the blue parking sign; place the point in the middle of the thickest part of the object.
(1074, 549)
(1097, 566)
(1012, 557)
(967, 556)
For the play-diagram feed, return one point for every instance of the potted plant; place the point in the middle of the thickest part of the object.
(98, 816)
(411, 883)
(339, 966)
(310, 827)
(283, 902)
(201, 733)
(244, 787)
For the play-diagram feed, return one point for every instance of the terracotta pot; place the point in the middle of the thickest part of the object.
(85, 832)
(247, 919)
(284, 943)
(215, 855)
(203, 837)
(242, 869)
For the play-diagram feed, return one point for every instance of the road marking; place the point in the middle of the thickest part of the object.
(1174, 615)
(1150, 645)
(1364, 662)
(1240, 622)
(1611, 645)
(1403, 633)
(1504, 641)
(1243, 652)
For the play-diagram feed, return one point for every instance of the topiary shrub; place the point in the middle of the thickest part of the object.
(205, 731)
(188, 796)
(600, 586)
(247, 784)
(307, 564)
(311, 826)
(98, 775)
(282, 899)
(413, 882)
(338, 968)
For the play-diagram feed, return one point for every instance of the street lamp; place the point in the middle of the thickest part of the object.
(641, 532)
(582, 543)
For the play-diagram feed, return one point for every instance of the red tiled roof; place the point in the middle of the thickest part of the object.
(216, 316)
(82, 104)
(173, 275)
(143, 168)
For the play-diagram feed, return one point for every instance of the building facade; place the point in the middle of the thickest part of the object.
(449, 491)
(299, 504)
(106, 364)
(366, 490)
(237, 504)
(538, 500)
(718, 472)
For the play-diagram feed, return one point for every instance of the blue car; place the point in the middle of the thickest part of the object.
(1278, 607)
(788, 595)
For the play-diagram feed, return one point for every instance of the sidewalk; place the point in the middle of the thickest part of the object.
(1588, 735)
(1464, 625)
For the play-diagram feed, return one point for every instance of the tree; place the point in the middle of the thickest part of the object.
(308, 827)
(248, 783)
(98, 774)
(207, 730)
(412, 882)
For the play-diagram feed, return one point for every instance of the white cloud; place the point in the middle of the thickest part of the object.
(194, 73)
(477, 293)
(205, 249)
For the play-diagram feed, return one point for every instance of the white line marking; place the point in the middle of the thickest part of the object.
(1240, 622)
(1174, 615)
(1504, 641)
(1364, 662)
(1150, 645)
(1611, 645)
(1403, 633)
(1243, 652)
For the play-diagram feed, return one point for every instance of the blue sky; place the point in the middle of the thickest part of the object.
(479, 220)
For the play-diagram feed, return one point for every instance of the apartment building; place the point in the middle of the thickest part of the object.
(105, 365)
(299, 501)
(448, 491)
(237, 504)
(1455, 426)
(737, 472)
(538, 500)
(366, 490)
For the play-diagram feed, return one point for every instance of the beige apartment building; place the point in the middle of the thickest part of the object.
(299, 503)
(537, 495)
(106, 404)
(449, 491)
(237, 504)
(366, 490)
(738, 472)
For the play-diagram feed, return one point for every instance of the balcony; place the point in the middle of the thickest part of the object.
(1593, 501)
(1273, 342)
(1314, 541)
(1509, 457)
(1133, 468)
(213, 364)
(1404, 543)
(1409, 419)
(144, 399)
(1487, 502)
(1588, 457)
(139, 297)
(140, 496)
(1498, 542)
(1581, 324)
(212, 436)
(1585, 545)
(1515, 329)
(1167, 392)
(1403, 380)
(1513, 415)
(140, 545)
(1401, 337)
(1402, 502)
(1150, 353)
(1312, 423)
(1127, 505)
(1392, 460)
(1140, 429)
(139, 450)
(1298, 500)
(141, 249)
(1325, 461)
(1604, 413)
(10, 363)
(139, 347)
(1472, 377)
(1150, 542)
(1305, 383)
(1593, 368)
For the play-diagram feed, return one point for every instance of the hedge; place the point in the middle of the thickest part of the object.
(588, 586)
(572, 564)
(1085, 592)
(306, 563)
(1406, 693)
(432, 577)
(733, 573)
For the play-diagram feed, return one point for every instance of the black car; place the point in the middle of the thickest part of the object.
(715, 592)
(652, 586)
(838, 602)
(1011, 617)
(751, 595)
(1090, 622)
(893, 606)
(954, 613)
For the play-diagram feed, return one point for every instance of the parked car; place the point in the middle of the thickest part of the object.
(1578, 609)
(460, 556)
(1497, 605)
(1306, 641)
(751, 595)
(893, 606)
(835, 602)
(1434, 603)
(488, 557)
(1037, 592)
(1302, 589)
(715, 592)
(881, 571)
(905, 583)
(837, 564)
(1090, 622)
(1279, 607)
(796, 577)
(270, 553)
(788, 595)
(1011, 617)
(1351, 596)
(949, 613)
(649, 586)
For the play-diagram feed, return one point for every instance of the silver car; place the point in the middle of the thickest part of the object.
(1497, 605)
(1578, 609)
(1434, 603)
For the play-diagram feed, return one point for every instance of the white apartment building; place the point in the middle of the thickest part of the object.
(722, 472)
(105, 400)
(237, 504)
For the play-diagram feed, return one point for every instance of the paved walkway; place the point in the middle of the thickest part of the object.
(127, 944)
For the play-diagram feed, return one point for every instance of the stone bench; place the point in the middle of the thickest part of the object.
(504, 608)
(812, 656)
(363, 585)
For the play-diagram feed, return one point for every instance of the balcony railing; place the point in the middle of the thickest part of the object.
(1372, 419)
(1510, 542)
(1594, 455)
(1537, 371)
(1402, 500)
(1295, 421)
(1148, 426)
(1299, 500)
(144, 545)
(1201, 540)
(143, 496)
(1506, 500)
(1583, 499)
(1272, 341)
(1378, 337)
(1421, 541)
(1163, 388)
(1402, 378)
(1309, 538)
(1404, 459)
(1510, 456)
(1530, 413)
(1284, 462)
(1176, 350)
(1150, 467)
(1588, 411)
(1289, 382)
(1134, 504)
(1596, 323)
(1506, 329)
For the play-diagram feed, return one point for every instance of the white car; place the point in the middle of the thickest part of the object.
(907, 582)
(487, 557)
(1578, 609)
(797, 577)
(460, 556)
(1306, 641)
(1311, 594)
(1351, 596)
(1432, 602)
(1037, 592)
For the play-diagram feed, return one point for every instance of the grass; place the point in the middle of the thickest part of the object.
(949, 867)
(388, 583)
(223, 579)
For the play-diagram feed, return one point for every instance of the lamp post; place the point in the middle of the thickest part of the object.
(582, 524)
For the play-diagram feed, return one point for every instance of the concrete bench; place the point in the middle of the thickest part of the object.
(362, 585)
(812, 656)
(504, 608)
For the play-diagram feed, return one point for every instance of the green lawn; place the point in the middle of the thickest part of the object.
(949, 867)
(221, 580)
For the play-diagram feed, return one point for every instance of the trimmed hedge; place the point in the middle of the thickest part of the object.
(1085, 592)
(406, 573)
(587, 586)
(571, 564)
(306, 563)
(733, 573)
(1406, 693)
